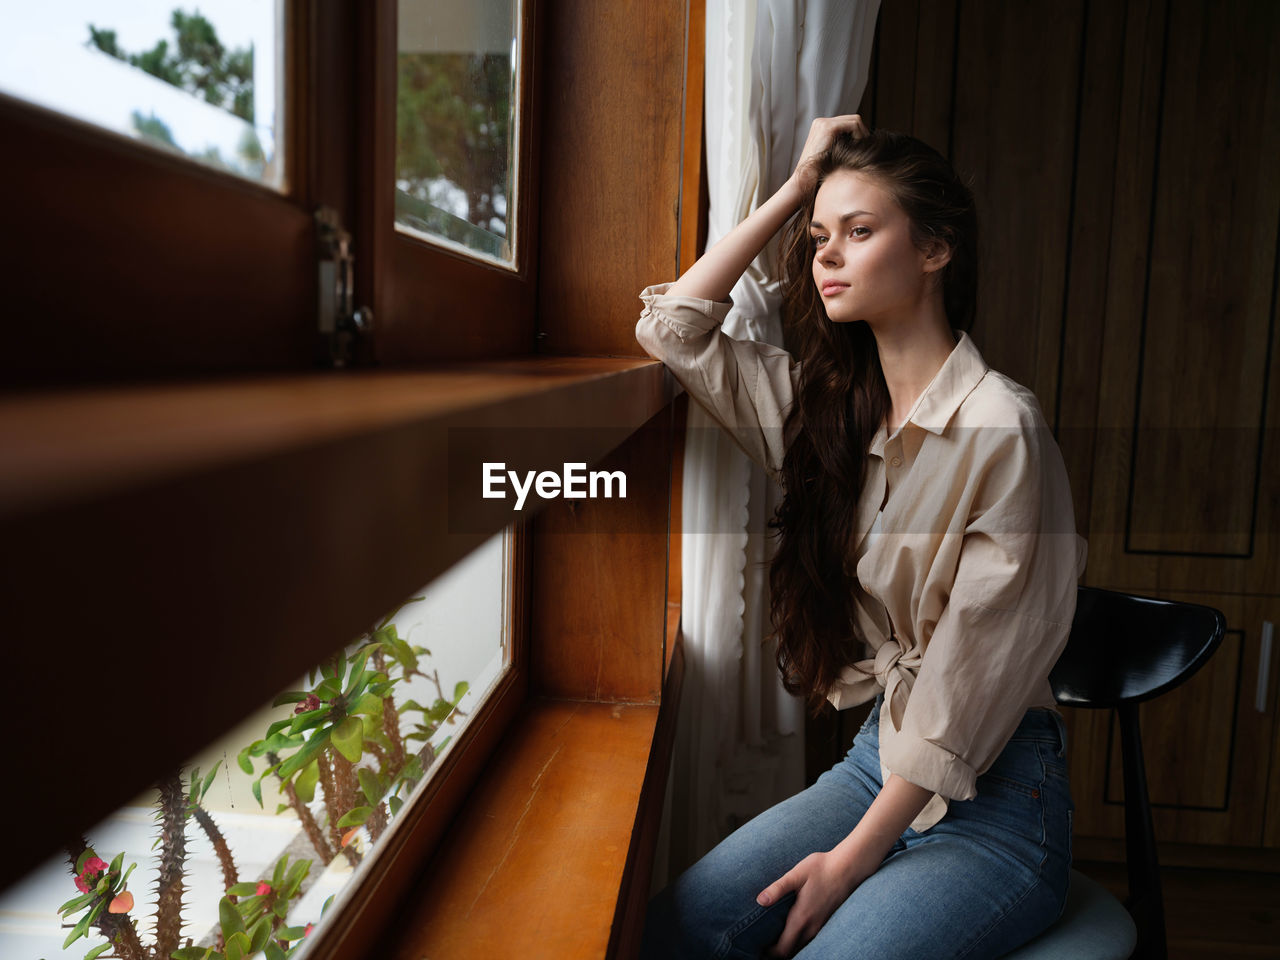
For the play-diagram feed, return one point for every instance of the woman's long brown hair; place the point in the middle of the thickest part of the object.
(842, 400)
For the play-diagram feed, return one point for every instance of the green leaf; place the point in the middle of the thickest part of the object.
(369, 784)
(366, 650)
(78, 931)
(208, 780)
(191, 953)
(305, 784)
(282, 741)
(242, 758)
(242, 890)
(413, 769)
(411, 705)
(277, 875)
(327, 903)
(305, 755)
(289, 696)
(460, 690)
(98, 951)
(256, 789)
(291, 933)
(355, 817)
(230, 918)
(259, 935)
(281, 808)
(237, 946)
(348, 738)
(405, 654)
(75, 903)
(117, 863)
(395, 803)
(125, 878)
(369, 704)
(83, 859)
(275, 727)
(297, 873)
(439, 711)
(273, 951)
(358, 663)
(305, 721)
(328, 689)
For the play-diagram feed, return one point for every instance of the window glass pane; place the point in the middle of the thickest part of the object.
(203, 81)
(456, 124)
(336, 767)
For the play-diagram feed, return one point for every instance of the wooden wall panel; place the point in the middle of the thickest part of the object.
(1205, 321)
(1023, 61)
(611, 151)
(911, 85)
(1089, 247)
(1184, 491)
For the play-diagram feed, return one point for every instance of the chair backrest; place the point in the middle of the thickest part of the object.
(1125, 649)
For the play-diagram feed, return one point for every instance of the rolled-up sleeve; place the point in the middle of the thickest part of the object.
(746, 386)
(1006, 618)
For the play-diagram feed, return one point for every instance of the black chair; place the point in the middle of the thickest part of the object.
(1123, 650)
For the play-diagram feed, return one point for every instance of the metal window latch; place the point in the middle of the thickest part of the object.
(341, 327)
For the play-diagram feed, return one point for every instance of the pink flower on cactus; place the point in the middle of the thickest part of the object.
(307, 932)
(92, 867)
(311, 703)
(263, 889)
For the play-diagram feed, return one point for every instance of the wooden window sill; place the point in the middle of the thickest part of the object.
(535, 863)
(193, 548)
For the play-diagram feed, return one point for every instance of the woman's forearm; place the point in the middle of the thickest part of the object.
(898, 803)
(717, 270)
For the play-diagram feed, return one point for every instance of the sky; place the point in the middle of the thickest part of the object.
(44, 59)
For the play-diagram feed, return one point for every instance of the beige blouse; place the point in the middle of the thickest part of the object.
(966, 593)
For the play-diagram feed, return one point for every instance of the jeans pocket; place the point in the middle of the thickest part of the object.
(1019, 769)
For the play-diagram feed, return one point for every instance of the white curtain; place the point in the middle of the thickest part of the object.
(771, 67)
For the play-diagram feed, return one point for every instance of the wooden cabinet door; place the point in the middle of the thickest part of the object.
(1183, 492)
(1206, 745)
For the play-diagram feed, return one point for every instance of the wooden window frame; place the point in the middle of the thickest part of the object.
(183, 270)
(433, 303)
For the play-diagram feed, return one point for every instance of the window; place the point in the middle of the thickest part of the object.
(146, 263)
(457, 81)
(203, 83)
(282, 826)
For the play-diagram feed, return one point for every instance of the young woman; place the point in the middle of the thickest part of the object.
(927, 558)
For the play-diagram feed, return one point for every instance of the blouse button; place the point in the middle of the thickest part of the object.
(895, 462)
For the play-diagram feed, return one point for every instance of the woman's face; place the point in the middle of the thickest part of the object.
(864, 264)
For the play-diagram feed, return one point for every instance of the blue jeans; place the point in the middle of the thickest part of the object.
(982, 881)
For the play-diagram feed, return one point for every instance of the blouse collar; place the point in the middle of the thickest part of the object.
(954, 381)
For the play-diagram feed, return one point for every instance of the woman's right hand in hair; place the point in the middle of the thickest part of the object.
(717, 270)
(821, 132)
